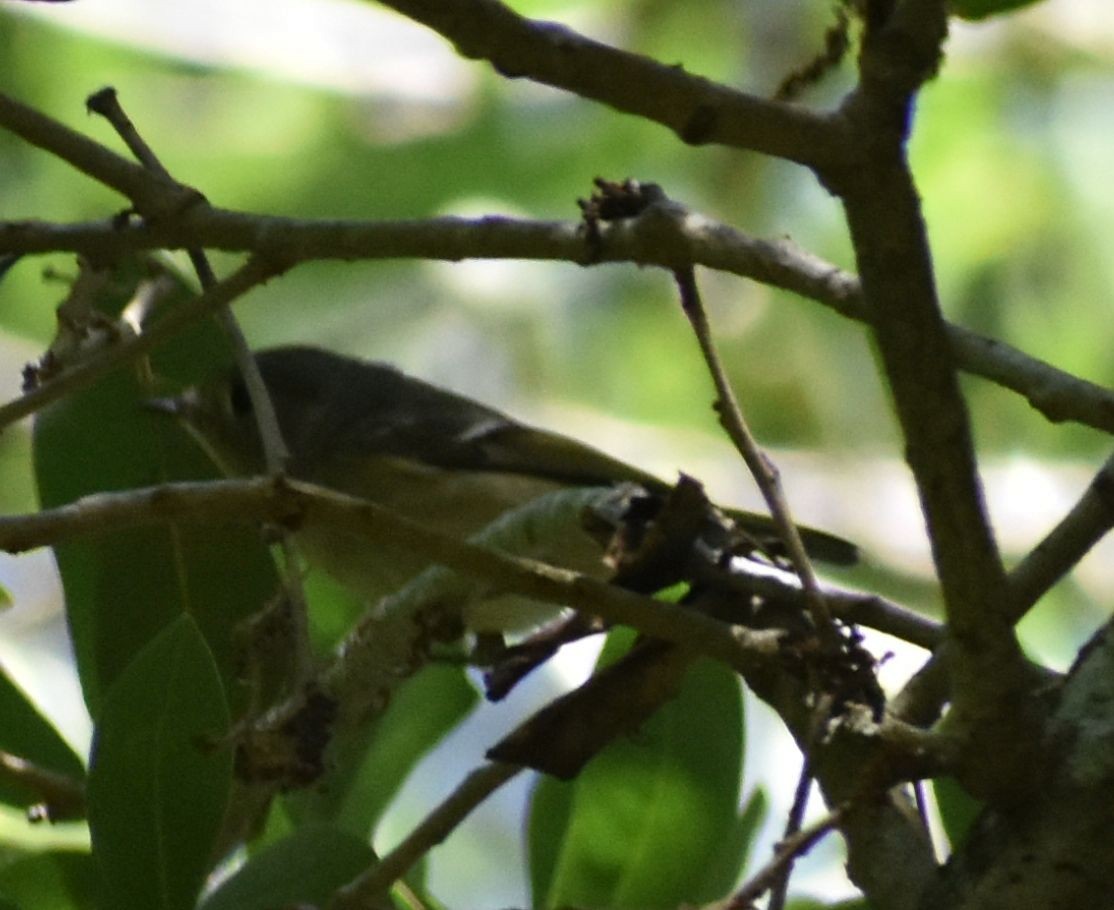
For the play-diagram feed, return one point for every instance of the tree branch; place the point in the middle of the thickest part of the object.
(698, 110)
(1053, 849)
(786, 852)
(898, 56)
(669, 236)
(1088, 521)
(1055, 393)
(151, 194)
(763, 471)
(295, 503)
(60, 798)
(366, 892)
(857, 763)
(668, 241)
(990, 677)
(900, 290)
(854, 607)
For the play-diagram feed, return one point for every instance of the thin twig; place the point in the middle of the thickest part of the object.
(106, 103)
(785, 855)
(255, 271)
(61, 798)
(148, 192)
(779, 887)
(367, 891)
(1088, 521)
(763, 470)
(852, 607)
(837, 40)
(877, 612)
(821, 711)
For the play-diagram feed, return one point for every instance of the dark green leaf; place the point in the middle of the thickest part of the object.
(958, 809)
(726, 864)
(24, 732)
(551, 807)
(122, 588)
(305, 868)
(647, 817)
(158, 786)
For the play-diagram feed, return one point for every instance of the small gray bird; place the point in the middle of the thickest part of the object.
(453, 464)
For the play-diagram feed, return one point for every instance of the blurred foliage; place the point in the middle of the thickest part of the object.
(650, 817)
(55, 879)
(997, 127)
(263, 144)
(1010, 148)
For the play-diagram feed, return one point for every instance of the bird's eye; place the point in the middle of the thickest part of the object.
(239, 401)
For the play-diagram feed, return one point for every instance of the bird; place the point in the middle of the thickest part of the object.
(367, 429)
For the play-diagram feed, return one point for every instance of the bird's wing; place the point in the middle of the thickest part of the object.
(443, 430)
(509, 446)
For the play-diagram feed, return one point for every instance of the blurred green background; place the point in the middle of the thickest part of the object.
(330, 109)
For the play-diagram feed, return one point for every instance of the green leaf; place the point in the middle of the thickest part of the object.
(648, 816)
(305, 868)
(54, 879)
(123, 587)
(24, 732)
(958, 809)
(981, 9)
(727, 862)
(422, 711)
(157, 786)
